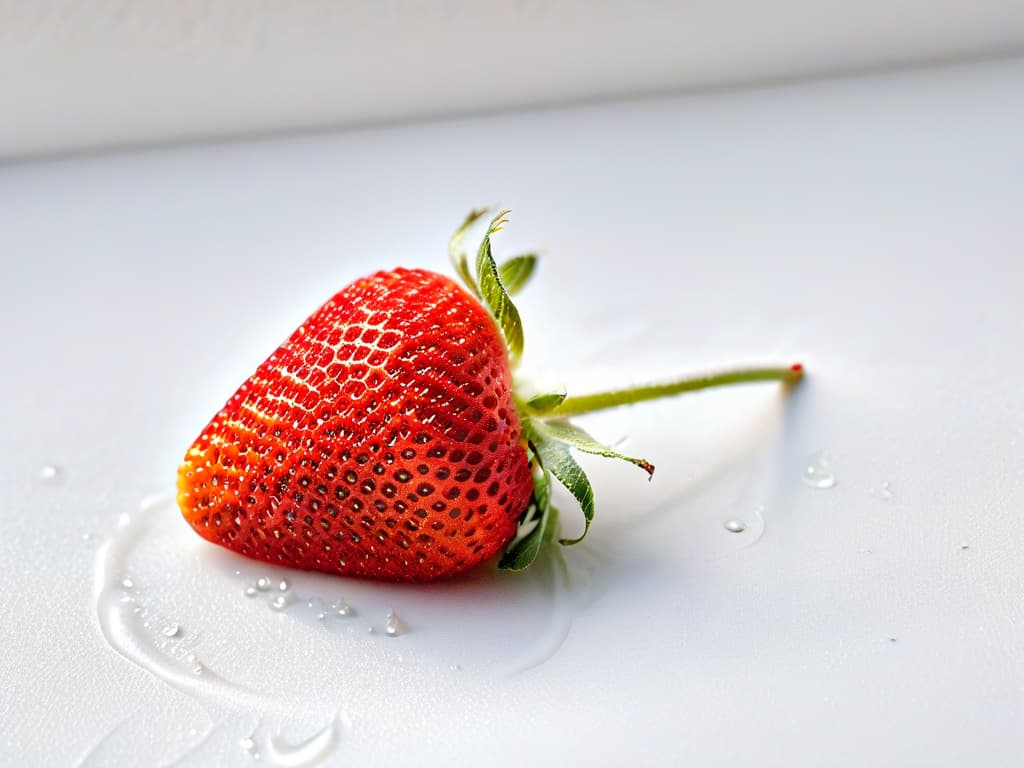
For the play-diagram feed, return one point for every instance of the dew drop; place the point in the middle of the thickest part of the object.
(393, 625)
(49, 473)
(342, 608)
(171, 630)
(735, 526)
(250, 592)
(248, 745)
(263, 584)
(127, 583)
(279, 602)
(817, 472)
(885, 492)
(964, 545)
(284, 586)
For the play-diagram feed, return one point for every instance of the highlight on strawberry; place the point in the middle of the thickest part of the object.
(384, 438)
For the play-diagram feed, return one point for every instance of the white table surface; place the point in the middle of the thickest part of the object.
(871, 228)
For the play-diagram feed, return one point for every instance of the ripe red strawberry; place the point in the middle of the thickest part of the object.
(383, 438)
(380, 440)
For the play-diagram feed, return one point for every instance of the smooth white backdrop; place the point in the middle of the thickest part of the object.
(79, 74)
(869, 227)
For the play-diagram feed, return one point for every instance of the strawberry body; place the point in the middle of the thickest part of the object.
(380, 440)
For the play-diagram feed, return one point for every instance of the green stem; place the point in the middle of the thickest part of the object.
(574, 406)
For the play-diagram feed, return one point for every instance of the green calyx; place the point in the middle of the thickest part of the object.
(550, 438)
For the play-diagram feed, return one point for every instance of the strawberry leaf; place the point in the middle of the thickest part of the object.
(524, 550)
(556, 458)
(494, 294)
(516, 272)
(458, 256)
(565, 432)
(551, 443)
(545, 402)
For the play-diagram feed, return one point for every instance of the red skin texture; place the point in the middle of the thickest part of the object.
(380, 440)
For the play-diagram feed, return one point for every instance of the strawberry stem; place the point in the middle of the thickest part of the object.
(575, 406)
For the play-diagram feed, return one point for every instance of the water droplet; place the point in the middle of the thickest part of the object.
(127, 583)
(864, 551)
(263, 584)
(171, 630)
(965, 545)
(322, 616)
(247, 744)
(885, 492)
(455, 667)
(279, 602)
(892, 639)
(312, 751)
(817, 472)
(393, 625)
(284, 586)
(198, 669)
(48, 473)
(735, 526)
(342, 608)
(250, 592)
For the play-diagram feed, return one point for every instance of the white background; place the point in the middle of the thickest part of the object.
(869, 227)
(85, 73)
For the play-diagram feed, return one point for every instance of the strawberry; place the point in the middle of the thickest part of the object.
(384, 438)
